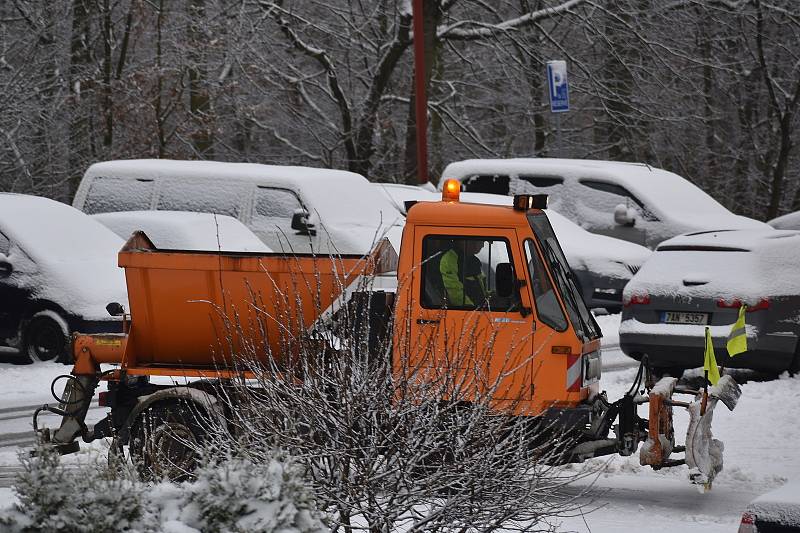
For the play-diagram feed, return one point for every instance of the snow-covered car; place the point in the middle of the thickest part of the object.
(702, 279)
(630, 201)
(297, 209)
(178, 230)
(601, 264)
(787, 221)
(775, 511)
(58, 272)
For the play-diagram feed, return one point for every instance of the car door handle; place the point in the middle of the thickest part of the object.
(427, 321)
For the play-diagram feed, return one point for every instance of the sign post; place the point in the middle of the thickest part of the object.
(558, 88)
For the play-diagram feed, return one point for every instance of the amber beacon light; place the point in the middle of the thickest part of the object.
(451, 190)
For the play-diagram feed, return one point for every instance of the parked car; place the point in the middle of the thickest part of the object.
(787, 221)
(179, 230)
(58, 271)
(295, 209)
(602, 265)
(775, 511)
(630, 201)
(701, 279)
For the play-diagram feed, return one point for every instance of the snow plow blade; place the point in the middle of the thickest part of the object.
(703, 453)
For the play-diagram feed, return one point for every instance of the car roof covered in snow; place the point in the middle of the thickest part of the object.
(50, 230)
(181, 230)
(780, 506)
(746, 240)
(339, 196)
(665, 193)
(787, 221)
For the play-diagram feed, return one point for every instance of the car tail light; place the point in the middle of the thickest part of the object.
(637, 299)
(102, 399)
(748, 523)
(762, 304)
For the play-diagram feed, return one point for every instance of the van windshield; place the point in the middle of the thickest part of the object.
(582, 320)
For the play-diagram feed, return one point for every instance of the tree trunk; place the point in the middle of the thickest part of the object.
(199, 101)
(79, 58)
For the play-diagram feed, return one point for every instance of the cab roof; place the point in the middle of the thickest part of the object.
(450, 213)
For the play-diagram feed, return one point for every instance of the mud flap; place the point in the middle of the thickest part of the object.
(703, 451)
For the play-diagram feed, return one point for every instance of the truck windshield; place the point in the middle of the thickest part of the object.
(582, 320)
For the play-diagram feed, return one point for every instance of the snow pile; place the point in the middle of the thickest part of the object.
(231, 495)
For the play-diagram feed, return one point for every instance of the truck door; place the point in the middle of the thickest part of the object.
(463, 323)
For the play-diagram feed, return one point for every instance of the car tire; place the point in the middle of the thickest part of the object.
(794, 367)
(45, 337)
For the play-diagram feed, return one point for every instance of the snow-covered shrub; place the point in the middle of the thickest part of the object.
(86, 498)
(229, 494)
(238, 495)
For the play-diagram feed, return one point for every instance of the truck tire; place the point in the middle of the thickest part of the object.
(45, 337)
(166, 441)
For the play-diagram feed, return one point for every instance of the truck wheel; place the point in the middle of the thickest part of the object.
(46, 337)
(165, 442)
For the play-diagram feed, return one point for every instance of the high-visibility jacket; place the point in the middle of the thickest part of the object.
(463, 287)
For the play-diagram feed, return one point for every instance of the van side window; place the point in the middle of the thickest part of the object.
(276, 203)
(5, 244)
(118, 194)
(542, 181)
(460, 272)
(222, 197)
(622, 192)
(489, 183)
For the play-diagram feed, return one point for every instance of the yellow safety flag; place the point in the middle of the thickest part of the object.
(737, 339)
(710, 363)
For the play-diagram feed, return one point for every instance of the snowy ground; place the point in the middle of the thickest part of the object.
(760, 451)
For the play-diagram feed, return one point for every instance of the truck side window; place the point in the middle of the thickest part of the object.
(459, 273)
(547, 307)
(107, 195)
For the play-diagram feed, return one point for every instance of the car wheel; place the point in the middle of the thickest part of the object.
(46, 338)
(794, 367)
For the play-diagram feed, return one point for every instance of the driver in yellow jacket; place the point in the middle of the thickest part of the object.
(463, 279)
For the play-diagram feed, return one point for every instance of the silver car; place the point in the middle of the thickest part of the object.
(701, 279)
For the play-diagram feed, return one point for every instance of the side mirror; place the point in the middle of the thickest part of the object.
(624, 215)
(301, 223)
(504, 280)
(5, 266)
(115, 309)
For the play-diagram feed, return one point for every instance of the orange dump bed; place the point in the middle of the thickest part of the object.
(193, 309)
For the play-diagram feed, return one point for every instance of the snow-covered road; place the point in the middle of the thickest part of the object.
(760, 452)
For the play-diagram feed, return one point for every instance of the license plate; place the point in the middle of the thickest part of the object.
(679, 317)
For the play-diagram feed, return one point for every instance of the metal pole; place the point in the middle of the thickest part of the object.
(421, 100)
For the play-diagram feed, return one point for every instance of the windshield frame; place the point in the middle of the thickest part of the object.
(577, 312)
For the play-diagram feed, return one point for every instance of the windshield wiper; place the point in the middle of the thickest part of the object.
(569, 287)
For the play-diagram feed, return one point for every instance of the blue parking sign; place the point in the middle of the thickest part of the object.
(557, 85)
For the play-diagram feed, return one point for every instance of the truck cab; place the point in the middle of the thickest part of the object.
(485, 297)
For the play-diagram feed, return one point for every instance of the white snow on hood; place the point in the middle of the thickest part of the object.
(68, 258)
(744, 264)
(182, 230)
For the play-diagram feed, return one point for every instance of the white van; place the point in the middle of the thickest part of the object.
(291, 209)
(630, 201)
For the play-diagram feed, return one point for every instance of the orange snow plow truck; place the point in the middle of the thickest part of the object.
(491, 275)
